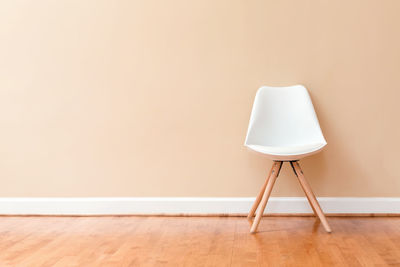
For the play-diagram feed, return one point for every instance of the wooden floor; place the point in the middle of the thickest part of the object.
(198, 241)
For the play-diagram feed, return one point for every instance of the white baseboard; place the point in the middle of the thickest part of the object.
(189, 205)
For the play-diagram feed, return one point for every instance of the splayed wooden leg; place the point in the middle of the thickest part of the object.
(260, 195)
(274, 174)
(310, 195)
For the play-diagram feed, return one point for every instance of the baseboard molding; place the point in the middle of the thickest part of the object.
(191, 206)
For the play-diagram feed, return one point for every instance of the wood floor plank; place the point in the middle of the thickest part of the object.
(198, 241)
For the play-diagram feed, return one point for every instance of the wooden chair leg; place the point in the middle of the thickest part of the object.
(309, 201)
(271, 181)
(260, 195)
(310, 195)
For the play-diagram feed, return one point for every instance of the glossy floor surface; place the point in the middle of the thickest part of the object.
(198, 241)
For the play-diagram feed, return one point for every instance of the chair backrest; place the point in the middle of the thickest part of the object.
(283, 116)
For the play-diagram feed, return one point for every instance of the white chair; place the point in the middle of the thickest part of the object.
(284, 127)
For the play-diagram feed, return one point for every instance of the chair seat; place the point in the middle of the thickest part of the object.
(291, 152)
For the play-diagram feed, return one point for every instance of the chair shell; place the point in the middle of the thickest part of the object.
(283, 124)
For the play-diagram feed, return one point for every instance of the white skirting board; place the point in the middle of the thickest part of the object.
(189, 205)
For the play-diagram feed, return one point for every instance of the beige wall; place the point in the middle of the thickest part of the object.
(152, 98)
